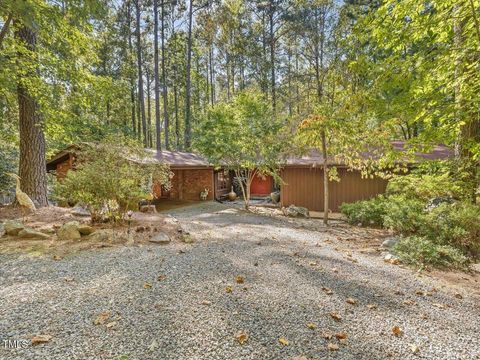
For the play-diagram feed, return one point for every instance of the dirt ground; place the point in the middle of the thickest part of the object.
(48, 220)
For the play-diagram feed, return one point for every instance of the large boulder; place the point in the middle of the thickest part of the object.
(28, 233)
(2, 229)
(296, 211)
(390, 242)
(69, 231)
(13, 227)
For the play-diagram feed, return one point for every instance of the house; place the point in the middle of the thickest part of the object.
(192, 174)
(303, 180)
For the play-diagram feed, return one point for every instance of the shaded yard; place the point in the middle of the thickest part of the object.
(171, 301)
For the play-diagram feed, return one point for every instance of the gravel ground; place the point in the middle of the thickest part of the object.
(188, 314)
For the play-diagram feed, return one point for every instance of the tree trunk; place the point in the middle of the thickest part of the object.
(141, 99)
(149, 112)
(158, 138)
(32, 165)
(164, 83)
(132, 81)
(272, 57)
(188, 125)
(325, 177)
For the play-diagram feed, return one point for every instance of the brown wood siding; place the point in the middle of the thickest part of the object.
(304, 187)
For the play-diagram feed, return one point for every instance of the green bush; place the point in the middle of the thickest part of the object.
(456, 224)
(110, 178)
(404, 214)
(420, 251)
(366, 212)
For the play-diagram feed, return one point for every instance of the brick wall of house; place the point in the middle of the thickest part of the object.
(187, 184)
(63, 167)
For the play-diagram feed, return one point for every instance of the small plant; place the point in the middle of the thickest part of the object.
(110, 178)
(367, 212)
(421, 252)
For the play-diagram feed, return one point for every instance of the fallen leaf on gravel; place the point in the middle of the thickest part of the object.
(313, 263)
(111, 324)
(57, 257)
(328, 291)
(458, 296)
(161, 277)
(181, 251)
(300, 357)
(409, 302)
(69, 278)
(326, 335)
(311, 326)
(440, 306)
(351, 301)
(335, 316)
(341, 335)
(240, 279)
(153, 345)
(335, 270)
(415, 349)
(397, 331)
(206, 302)
(372, 306)
(228, 288)
(147, 285)
(41, 339)
(101, 318)
(419, 292)
(332, 347)
(241, 337)
(283, 341)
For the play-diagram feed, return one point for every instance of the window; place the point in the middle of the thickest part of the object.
(222, 180)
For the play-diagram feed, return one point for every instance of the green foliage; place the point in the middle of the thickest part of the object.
(420, 251)
(111, 177)
(404, 214)
(456, 224)
(367, 212)
(8, 164)
(243, 135)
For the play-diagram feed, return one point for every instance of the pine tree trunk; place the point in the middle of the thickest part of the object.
(188, 125)
(164, 83)
(132, 81)
(33, 171)
(272, 56)
(325, 178)
(141, 98)
(158, 138)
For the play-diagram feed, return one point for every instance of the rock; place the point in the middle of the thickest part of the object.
(296, 211)
(160, 238)
(475, 267)
(80, 211)
(391, 259)
(13, 227)
(85, 229)
(28, 233)
(102, 235)
(2, 229)
(390, 242)
(69, 231)
(148, 209)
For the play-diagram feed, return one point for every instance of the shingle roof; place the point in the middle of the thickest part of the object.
(315, 157)
(180, 158)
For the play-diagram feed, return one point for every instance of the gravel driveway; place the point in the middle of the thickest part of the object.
(295, 278)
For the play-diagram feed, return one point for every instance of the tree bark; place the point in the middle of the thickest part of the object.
(272, 56)
(5, 27)
(164, 84)
(158, 138)
(188, 125)
(32, 164)
(325, 177)
(132, 81)
(141, 98)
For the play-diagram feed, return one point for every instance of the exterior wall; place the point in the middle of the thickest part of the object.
(261, 185)
(187, 184)
(63, 167)
(304, 187)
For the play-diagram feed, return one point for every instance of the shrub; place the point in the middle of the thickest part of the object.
(366, 212)
(456, 224)
(111, 178)
(420, 251)
(404, 214)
